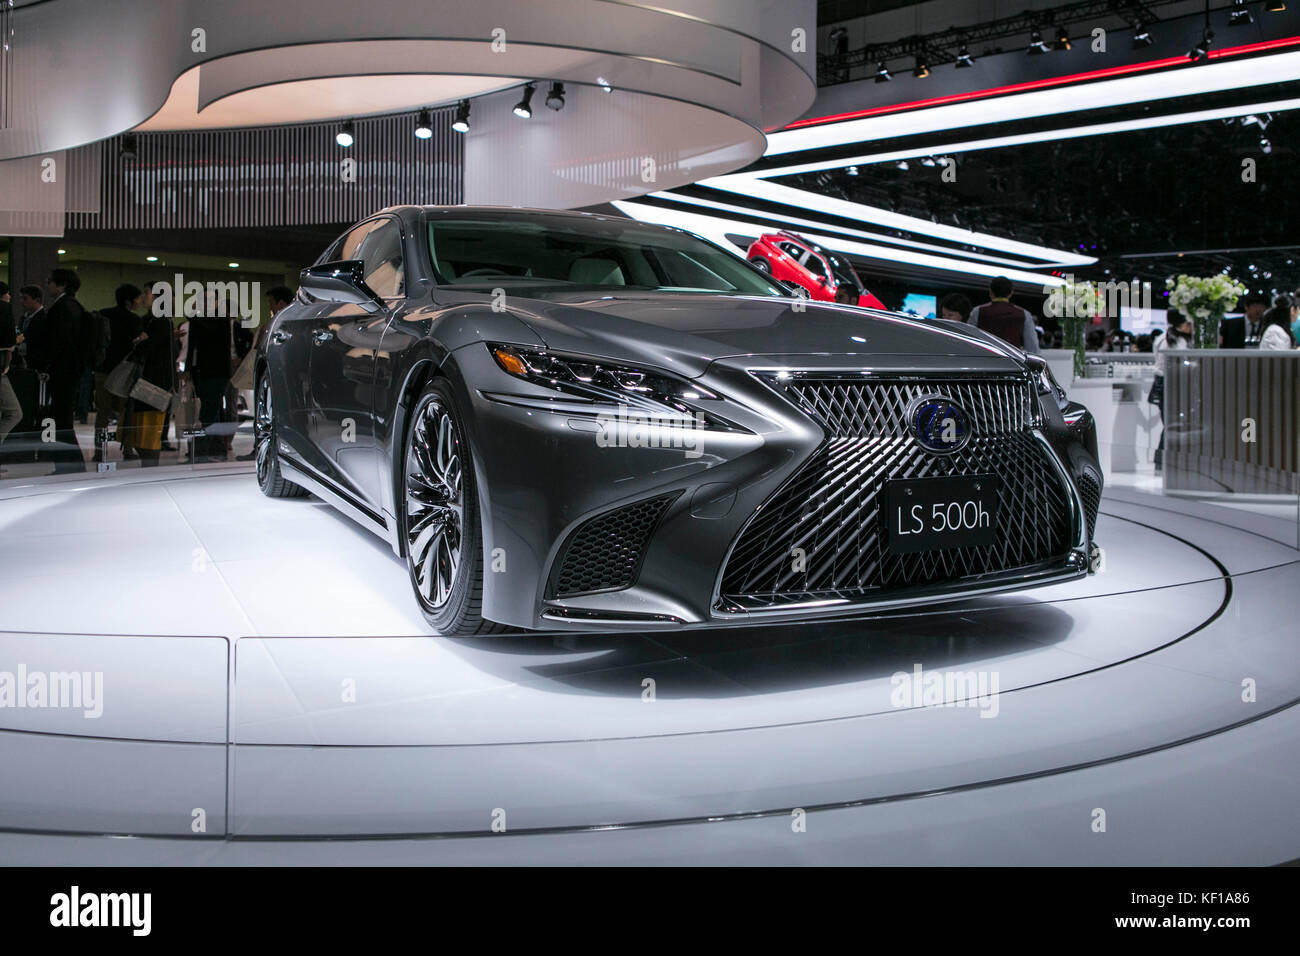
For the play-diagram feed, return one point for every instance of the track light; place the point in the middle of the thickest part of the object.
(1202, 50)
(964, 59)
(604, 84)
(461, 123)
(524, 108)
(901, 164)
(1036, 44)
(1062, 39)
(1141, 38)
(922, 68)
(1275, 6)
(423, 125)
(1240, 15)
(1265, 145)
(882, 73)
(555, 97)
(127, 150)
(345, 137)
(927, 161)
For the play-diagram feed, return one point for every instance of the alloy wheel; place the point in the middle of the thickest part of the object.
(435, 503)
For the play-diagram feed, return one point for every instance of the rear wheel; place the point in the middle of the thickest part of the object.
(269, 479)
(440, 517)
(762, 265)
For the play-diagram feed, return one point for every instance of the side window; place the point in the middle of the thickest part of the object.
(790, 249)
(381, 251)
(353, 241)
(815, 265)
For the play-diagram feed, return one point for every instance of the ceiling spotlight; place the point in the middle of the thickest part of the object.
(1062, 39)
(964, 59)
(345, 136)
(901, 164)
(1265, 145)
(524, 108)
(1036, 44)
(423, 125)
(1202, 49)
(882, 73)
(127, 150)
(1240, 15)
(146, 258)
(63, 252)
(922, 68)
(1141, 37)
(233, 265)
(555, 97)
(604, 84)
(852, 170)
(1275, 6)
(461, 123)
(927, 161)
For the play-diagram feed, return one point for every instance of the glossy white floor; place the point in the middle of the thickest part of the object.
(263, 663)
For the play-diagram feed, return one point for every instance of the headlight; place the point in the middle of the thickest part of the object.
(1045, 380)
(601, 382)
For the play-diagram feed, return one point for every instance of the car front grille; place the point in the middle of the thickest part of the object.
(604, 553)
(821, 535)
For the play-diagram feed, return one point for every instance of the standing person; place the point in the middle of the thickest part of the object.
(143, 424)
(955, 307)
(29, 300)
(208, 362)
(1277, 334)
(1177, 336)
(68, 341)
(11, 413)
(123, 328)
(1008, 322)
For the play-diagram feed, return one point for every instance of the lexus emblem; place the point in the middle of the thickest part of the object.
(939, 424)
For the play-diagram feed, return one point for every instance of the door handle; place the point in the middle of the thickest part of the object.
(321, 336)
(279, 337)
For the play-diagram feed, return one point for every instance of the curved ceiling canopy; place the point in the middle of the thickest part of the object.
(695, 82)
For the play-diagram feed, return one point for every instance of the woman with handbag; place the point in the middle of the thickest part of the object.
(143, 430)
(1177, 336)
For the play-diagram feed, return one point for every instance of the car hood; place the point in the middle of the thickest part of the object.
(685, 333)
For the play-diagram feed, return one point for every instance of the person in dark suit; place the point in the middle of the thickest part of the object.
(209, 363)
(67, 339)
(123, 327)
(1236, 333)
(1008, 322)
(32, 315)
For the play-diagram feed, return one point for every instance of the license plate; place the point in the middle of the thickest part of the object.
(924, 514)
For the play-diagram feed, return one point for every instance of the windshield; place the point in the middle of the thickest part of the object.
(564, 252)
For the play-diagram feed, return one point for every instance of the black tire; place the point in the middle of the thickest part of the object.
(762, 265)
(269, 479)
(440, 523)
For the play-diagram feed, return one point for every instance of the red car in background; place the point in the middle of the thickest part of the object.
(824, 275)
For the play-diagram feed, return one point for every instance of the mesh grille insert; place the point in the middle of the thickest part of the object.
(1090, 491)
(831, 508)
(604, 553)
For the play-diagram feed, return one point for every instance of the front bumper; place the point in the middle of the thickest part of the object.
(551, 487)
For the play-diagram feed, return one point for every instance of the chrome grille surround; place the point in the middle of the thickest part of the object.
(831, 507)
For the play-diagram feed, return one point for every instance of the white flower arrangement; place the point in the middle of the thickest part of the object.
(1200, 297)
(1204, 300)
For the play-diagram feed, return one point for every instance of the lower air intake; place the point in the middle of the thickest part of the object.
(604, 553)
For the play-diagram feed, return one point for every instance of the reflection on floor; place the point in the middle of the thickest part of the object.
(319, 706)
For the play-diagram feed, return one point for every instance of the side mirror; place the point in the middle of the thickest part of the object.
(341, 282)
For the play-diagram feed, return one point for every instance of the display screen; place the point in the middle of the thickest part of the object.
(925, 306)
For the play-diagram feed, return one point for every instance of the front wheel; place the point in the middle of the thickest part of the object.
(762, 265)
(269, 479)
(440, 517)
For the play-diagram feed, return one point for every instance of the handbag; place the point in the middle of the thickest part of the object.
(1157, 394)
(122, 379)
(243, 379)
(151, 395)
